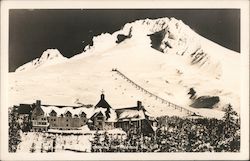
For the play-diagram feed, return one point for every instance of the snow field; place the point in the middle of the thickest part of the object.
(45, 140)
(167, 75)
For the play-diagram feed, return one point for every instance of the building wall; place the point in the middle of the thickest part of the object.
(98, 122)
(143, 126)
(40, 120)
(40, 123)
(127, 125)
(66, 122)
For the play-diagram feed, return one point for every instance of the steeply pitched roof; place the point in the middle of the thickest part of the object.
(134, 113)
(61, 111)
(103, 103)
(96, 114)
(131, 114)
(127, 108)
(25, 109)
(113, 114)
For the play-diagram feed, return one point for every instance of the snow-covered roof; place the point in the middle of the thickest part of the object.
(74, 111)
(113, 115)
(132, 114)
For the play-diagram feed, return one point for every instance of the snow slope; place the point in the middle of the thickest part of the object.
(192, 61)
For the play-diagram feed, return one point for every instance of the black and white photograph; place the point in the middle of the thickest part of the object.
(86, 80)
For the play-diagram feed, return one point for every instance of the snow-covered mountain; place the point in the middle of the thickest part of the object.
(164, 56)
(49, 57)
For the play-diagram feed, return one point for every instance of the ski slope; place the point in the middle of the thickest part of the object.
(167, 74)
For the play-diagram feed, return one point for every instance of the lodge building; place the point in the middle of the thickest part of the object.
(100, 117)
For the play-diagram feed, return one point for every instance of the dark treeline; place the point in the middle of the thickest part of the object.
(175, 134)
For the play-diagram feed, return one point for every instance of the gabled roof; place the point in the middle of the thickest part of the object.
(112, 114)
(37, 111)
(103, 103)
(131, 114)
(96, 114)
(127, 108)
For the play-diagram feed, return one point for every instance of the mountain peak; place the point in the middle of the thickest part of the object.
(49, 57)
(51, 54)
(166, 56)
(138, 31)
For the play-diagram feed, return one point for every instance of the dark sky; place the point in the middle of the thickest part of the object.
(33, 31)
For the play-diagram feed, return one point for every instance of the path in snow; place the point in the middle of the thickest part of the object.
(163, 101)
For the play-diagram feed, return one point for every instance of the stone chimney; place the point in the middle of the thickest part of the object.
(38, 103)
(139, 105)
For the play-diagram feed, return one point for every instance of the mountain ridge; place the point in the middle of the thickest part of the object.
(170, 72)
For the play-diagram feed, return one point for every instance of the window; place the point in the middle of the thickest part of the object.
(68, 114)
(67, 120)
(100, 118)
(83, 115)
(53, 113)
(67, 125)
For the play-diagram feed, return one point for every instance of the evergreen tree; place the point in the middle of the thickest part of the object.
(230, 129)
(27, 124)
(54, 144)
(106, 139)
(42, 148)
(97, 138)
(14, 130)
(33, 148)
(230, 117)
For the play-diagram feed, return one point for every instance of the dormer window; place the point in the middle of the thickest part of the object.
(100, 117)
(68, 114)
(83, 115)
(53, 113)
